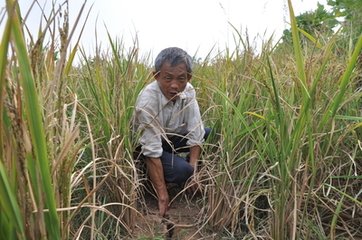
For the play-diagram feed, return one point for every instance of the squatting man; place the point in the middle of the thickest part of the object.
(168, 120)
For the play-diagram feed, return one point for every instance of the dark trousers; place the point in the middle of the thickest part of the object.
(176, 168)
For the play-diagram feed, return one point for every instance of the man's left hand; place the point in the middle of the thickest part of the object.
(194, 184)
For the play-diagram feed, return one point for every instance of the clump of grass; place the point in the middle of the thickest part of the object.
(270, 143)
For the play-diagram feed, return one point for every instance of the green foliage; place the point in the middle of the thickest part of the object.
(318, 23)
(350, 9)
(322, 23)
(350, 13)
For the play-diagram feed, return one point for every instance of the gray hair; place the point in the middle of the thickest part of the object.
(174, 56)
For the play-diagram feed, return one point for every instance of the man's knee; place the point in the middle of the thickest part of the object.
(184, 173)
(207, 133)
(180, 172)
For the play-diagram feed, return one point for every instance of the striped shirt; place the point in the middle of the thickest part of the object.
(157, 118)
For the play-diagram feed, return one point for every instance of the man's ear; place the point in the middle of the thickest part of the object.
(156, 74)
(189, 76)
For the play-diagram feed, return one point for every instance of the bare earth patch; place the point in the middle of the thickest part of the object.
(181, 223)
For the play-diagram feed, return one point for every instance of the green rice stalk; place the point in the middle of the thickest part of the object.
(282, 185)
(311, 38)
(237, 162)
(9, 206)
(310, 103)
(72, 54)
(298, 52)
(338, 208)
(3, 63)
(289, 147)
(108, 106)
(36, 127)
(345, 79)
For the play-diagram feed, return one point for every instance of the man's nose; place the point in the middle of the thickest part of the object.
(174, 84)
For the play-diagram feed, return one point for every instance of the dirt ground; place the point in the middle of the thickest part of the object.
(182, 223)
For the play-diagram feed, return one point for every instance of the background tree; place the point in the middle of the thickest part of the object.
(350, 13)
(317, 23)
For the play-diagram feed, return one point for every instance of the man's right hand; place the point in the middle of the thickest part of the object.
(163, 201)
(155, 171)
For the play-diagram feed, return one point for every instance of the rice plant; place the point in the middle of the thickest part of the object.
(283, 160)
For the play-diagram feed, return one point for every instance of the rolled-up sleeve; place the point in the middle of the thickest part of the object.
(149, 129)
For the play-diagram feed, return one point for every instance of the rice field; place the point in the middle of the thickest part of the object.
(283, 161)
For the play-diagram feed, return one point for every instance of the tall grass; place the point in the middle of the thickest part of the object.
(40, 137)
(277, 126)
(37, 162)
(283, 160)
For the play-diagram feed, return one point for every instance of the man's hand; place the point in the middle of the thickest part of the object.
(163, 201)
(195, 152)
(155, 171)
(194, 183)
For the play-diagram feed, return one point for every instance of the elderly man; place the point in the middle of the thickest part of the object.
(168, 119)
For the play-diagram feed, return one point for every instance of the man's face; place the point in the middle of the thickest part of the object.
(172, 79)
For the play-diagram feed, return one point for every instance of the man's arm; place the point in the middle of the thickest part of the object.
(155, 171)
(195, 152)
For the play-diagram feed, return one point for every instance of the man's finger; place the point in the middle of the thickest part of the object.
(163, 209)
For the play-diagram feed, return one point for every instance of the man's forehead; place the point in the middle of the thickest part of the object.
(169, 64)
(179, 68)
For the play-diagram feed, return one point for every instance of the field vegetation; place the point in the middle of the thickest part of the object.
(284, 159)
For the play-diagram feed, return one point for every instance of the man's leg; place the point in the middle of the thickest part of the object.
(176, 169)
(178, 143)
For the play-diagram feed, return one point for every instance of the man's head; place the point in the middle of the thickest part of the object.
(174, 56)
(173, 70)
